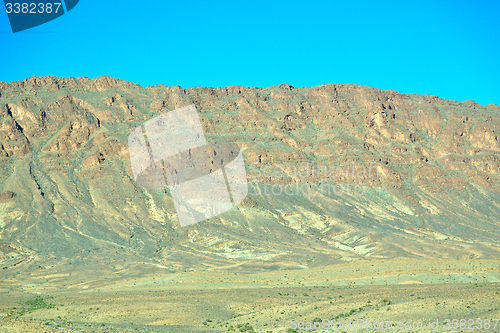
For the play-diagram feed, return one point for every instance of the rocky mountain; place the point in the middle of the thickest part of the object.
(337, 173)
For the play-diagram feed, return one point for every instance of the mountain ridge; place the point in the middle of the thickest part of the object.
(65, 176)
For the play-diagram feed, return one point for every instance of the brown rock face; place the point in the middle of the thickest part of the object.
(368, 173)
(7, 196)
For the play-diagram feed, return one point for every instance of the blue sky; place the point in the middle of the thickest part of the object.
(446, 48)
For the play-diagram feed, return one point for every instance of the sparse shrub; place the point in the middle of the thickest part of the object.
(245, 328)
(385, 301)
(38, 303)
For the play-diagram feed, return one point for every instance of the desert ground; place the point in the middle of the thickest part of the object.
(396, 291)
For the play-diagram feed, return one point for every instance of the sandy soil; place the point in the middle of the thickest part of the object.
(216, 301)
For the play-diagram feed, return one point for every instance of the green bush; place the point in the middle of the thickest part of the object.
(38, 303)
(245, 328)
